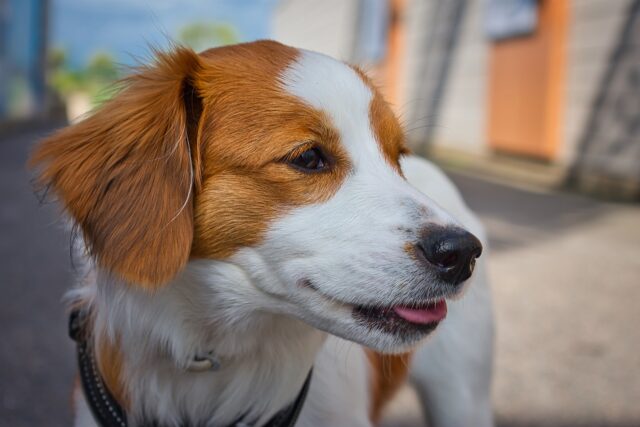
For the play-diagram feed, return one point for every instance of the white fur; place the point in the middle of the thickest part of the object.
(339, 393)
(253, 310)
(452, 371)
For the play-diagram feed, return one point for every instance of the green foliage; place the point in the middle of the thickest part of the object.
(101, 67)
(96, 79)
(201, 35)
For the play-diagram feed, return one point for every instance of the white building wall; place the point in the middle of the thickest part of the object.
(327, 26)
(418, 14)
(593, 31)
(460, 119)
(464, 115)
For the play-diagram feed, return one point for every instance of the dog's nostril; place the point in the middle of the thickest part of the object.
(444, 253)
(448, 260)
(452, 251)
(477, 252)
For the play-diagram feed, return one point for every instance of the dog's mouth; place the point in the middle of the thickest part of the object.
(421, 318)
(415, 318)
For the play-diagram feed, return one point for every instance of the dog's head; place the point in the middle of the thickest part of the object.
(281, 161)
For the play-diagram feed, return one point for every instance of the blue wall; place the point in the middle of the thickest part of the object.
(22, 47)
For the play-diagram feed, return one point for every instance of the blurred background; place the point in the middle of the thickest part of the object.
(531, 106)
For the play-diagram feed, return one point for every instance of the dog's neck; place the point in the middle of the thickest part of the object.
(264, 357)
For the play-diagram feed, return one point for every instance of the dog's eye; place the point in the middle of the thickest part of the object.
(310, 160)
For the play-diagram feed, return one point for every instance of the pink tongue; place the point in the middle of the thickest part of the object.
(433, 313)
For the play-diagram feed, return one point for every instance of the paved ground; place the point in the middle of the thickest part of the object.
(565, 276)
(36, 358)
(565, 273)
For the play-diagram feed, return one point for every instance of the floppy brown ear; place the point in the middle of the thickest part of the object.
(125, 173)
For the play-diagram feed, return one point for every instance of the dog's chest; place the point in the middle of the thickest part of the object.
(340, 393)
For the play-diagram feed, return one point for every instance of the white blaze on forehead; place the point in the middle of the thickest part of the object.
(336, 89)
(339, 91)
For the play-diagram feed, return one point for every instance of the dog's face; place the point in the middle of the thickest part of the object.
(283, 162)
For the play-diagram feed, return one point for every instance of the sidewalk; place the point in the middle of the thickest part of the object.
(564, 271)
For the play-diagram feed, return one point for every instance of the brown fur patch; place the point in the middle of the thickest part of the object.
(389, 372)
(124, 173)
(386, 127)
(388, 131)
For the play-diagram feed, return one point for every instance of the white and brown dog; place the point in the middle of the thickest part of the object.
(239, 205)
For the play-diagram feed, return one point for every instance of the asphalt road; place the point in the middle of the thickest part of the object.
(565, 278)
(36, 358)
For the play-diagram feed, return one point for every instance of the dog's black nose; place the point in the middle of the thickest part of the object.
(452, 251)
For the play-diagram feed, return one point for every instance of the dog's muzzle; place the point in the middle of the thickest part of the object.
(450, 251)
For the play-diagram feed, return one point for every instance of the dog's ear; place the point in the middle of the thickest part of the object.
(126, 174)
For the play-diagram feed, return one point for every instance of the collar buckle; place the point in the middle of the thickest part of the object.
(208, 362)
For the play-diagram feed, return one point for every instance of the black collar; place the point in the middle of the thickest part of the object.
(108, 412)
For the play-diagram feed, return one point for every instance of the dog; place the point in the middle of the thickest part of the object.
(255, 255)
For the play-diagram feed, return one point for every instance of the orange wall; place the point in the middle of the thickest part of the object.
(526, 86)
